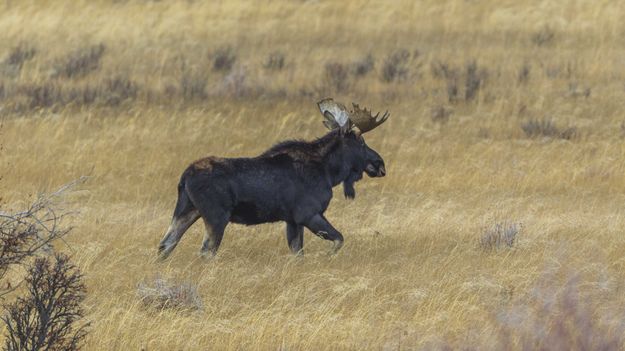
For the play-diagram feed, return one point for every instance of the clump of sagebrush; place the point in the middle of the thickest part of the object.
(275, 61)
(116, 90)
(193, 86)
(13, 62)
(41, 95)
(166, 294)
(543, 37)
(224, 59)
(441, 114)
(395, 66)
(474, 80)
(546, 128)
(442, 70)
(336, 76)
(80, 62)
(45, 317)
(524, 73)
(363, 66)
(500, 235)
(577, 90)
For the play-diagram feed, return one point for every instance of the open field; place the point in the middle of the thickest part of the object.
(508, 112)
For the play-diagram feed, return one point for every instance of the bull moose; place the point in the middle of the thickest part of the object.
(290, 182)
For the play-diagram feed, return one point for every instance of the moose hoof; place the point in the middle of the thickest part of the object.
(163, 252)
(337, 246)
(207, 255)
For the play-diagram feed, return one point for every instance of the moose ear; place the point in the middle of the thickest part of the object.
(336, 115)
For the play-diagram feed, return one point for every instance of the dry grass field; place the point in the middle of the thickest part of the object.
(507, 117)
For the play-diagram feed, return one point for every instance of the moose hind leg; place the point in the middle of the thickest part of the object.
(320, 226)
(178, 226)
(212, 237)
(295, 238)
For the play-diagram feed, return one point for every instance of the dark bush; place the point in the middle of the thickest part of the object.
(546, 128)
(336, 76)
(46, 94)
(543, 37)
(395, 66)
(474, 80)
(441, 114)
(224, 59)
(275, 61)
(524, 73)
(20, 54)
(442, 70)
(117, 90)
(80, 62)
(45, 319)
(25, 233)
(363, 66)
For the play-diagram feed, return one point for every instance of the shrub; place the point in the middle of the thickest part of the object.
(474, 80)
(46, 94)
(224, 59)
(25, 233)
(275, 61)
(441, 114)
(499, 236)
(546, 128)
(524, 73)
(442, 70)
(395, 66)
(336, 76)
(80, 62)
(117, 90)
(163, 294)
(576, 90)
(15, 59)
(544, 36)
(45, 318)
(193, 86)
(363, 66)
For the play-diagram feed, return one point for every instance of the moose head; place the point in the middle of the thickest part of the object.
(350, 126)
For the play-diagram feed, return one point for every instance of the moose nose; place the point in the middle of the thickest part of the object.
(382, 171)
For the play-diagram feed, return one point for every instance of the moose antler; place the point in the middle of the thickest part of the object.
(364, 121)
(337, 117)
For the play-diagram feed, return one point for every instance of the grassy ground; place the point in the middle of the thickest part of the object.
(502, 112)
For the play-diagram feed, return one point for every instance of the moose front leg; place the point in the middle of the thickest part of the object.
(320, 226)
(295, 238)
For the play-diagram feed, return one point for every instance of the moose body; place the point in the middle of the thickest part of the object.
(290, 182)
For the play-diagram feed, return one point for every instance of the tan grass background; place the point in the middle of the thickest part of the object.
(412, 274)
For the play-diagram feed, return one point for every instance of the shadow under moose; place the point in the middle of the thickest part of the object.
(291, 182)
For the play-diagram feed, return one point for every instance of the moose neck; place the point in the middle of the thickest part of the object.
(337, 160)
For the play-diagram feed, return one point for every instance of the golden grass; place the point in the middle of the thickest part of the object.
(411, 274)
